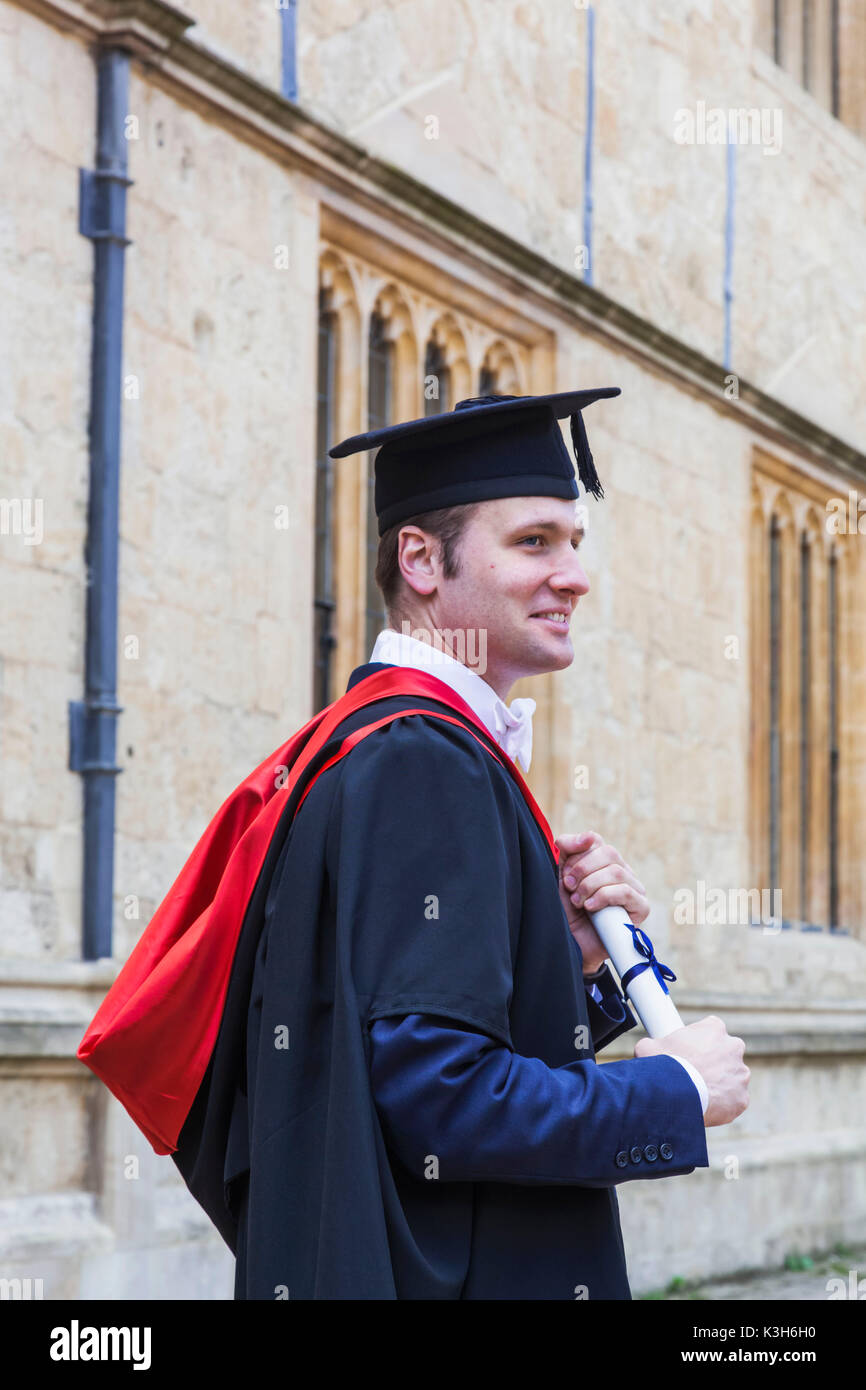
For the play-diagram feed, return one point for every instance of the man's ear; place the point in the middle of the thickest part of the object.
(418, 560)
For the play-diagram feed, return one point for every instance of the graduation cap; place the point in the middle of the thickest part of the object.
(486, 447)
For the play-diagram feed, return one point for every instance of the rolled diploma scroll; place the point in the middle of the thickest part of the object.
(655, 1008)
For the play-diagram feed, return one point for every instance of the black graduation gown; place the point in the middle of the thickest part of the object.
(415, 881)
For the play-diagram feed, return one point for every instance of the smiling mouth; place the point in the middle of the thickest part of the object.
(559, 624)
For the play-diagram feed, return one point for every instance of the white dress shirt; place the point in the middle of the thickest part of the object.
(510, 725)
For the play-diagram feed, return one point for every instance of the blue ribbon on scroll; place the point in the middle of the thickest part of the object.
(644, 947)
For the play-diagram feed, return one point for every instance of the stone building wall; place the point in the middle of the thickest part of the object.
(238, 211)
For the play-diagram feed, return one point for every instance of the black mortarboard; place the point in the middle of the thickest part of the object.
(486, 447)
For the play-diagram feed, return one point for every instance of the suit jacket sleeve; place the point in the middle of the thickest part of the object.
(611, 1015)
(489, 1114)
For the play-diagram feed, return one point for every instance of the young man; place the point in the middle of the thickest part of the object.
(364, 1021)
(438, 1126)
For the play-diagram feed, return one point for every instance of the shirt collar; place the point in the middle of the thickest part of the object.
(510, 724)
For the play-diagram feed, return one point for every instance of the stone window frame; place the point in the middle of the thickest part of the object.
(798, 501)
(799, 39)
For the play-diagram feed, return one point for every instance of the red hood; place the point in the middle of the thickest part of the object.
(153, 1035)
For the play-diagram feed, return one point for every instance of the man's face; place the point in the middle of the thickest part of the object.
(518, 560)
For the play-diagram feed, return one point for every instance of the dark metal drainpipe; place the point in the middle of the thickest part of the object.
(587, 145)
(93, 720)
(288, 32)
(728, 283)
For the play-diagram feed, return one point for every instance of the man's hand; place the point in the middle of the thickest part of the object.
(719, 1059)
(594, 875)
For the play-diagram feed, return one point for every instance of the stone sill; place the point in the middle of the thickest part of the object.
(68, 1224)
(779, 1150)
(46, 1006)
(59, 974)
(770, 1027)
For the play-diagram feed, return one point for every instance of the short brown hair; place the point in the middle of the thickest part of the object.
(445, 524)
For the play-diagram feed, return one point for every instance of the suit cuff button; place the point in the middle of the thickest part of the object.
(666, 1151)
(636, 1154)
(650, 1153)
(621, 1159)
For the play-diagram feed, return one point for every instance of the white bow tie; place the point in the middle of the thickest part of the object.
(514, 729)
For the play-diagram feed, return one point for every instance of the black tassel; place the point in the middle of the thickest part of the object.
(585, 466)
